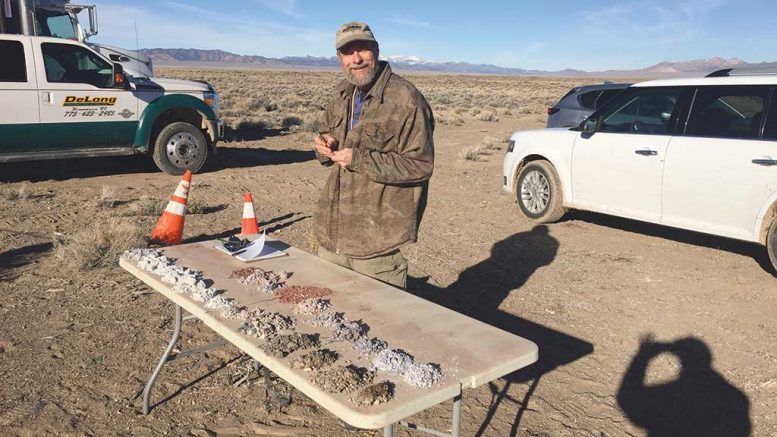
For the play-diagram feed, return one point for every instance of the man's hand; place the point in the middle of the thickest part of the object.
(342, 157)
(325, 144)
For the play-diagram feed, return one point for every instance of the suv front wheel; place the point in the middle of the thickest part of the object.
(539, 192)
(180, 147)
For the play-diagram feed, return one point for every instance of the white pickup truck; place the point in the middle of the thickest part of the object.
(62, 99)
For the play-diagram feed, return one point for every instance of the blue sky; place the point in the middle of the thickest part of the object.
(547, 35)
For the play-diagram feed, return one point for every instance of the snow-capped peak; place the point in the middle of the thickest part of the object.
(413, 60)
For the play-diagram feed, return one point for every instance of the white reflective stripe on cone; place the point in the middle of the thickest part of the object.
(176, 208)
(182, 190)
(248, 210)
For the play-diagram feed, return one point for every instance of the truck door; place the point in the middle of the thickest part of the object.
(78, 106)
(20, 121)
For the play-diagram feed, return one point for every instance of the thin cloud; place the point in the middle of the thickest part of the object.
(286, 7)
(644, 22)
(186, 7)
(412, 22)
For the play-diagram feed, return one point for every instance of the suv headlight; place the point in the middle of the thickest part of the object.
(212, 99)
(510, 145)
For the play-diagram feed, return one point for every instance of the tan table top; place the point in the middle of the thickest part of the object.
(469, 352)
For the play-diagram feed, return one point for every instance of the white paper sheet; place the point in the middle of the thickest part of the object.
(254, 251)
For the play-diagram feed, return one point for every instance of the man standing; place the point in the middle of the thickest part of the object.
(378, 140)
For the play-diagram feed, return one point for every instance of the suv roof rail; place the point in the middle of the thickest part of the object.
(720, 73)
(727, 72)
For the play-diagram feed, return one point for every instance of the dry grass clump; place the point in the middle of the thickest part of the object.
(148, 206)
(478, 152)
(488, 116)
(251, 123)
(195, 206)
(107, 197)
(21, 193)
(491, 144)
(291, 122)
(473, 153)
(99, 245)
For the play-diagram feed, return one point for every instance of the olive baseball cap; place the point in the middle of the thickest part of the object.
(353, 31)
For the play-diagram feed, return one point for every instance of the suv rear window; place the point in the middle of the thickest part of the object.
(727, 111)
(605, 97)
(588, 100)
(13, 68)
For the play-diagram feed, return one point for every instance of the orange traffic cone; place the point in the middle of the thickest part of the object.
(169, 228)
(250, 224)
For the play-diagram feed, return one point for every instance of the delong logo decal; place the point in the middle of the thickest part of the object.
(89, 101)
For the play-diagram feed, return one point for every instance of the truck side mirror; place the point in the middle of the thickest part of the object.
(119, 78)
(92, 20)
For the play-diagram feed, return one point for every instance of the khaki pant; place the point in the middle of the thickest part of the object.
(390, 268)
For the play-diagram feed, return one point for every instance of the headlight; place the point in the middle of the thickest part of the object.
(212, 99)
(510, 145)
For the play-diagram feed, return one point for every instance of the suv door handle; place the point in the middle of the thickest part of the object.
(646, 152)
(765, 161)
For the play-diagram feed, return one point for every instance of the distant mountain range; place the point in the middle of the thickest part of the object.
(222, 59)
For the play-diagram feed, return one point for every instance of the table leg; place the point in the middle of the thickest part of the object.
(163, 360)
(456, 426)
(455, 423)
(388, 431)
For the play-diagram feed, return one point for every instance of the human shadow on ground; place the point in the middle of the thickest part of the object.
(14, 258)
(479, 291)
(700, 402)
(739, 247)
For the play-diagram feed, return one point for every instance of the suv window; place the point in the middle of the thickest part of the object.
(588, 100)
(13, 68)
(66, 63)
(727, 111)
(605, 97)
(640, 111)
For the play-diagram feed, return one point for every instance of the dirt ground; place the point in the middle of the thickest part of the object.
(75, 347)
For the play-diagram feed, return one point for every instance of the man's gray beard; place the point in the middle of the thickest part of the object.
(367, 79)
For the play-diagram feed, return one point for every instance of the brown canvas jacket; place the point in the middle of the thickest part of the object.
(375, 205)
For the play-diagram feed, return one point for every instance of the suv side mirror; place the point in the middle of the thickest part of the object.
(119, 78)
(589, 125)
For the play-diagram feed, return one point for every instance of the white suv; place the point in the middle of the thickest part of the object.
(698, 154)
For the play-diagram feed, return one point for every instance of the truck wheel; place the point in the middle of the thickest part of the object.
(180, 147)
(539, 192)
(771, 244)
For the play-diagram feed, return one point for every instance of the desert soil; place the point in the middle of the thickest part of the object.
(76, 346)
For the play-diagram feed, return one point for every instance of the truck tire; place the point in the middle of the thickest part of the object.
(180, 147)
(539, 192)
(771, 244)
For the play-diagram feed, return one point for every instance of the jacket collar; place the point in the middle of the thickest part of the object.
(378, 87)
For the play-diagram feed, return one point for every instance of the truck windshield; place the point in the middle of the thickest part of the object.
(56, 24)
